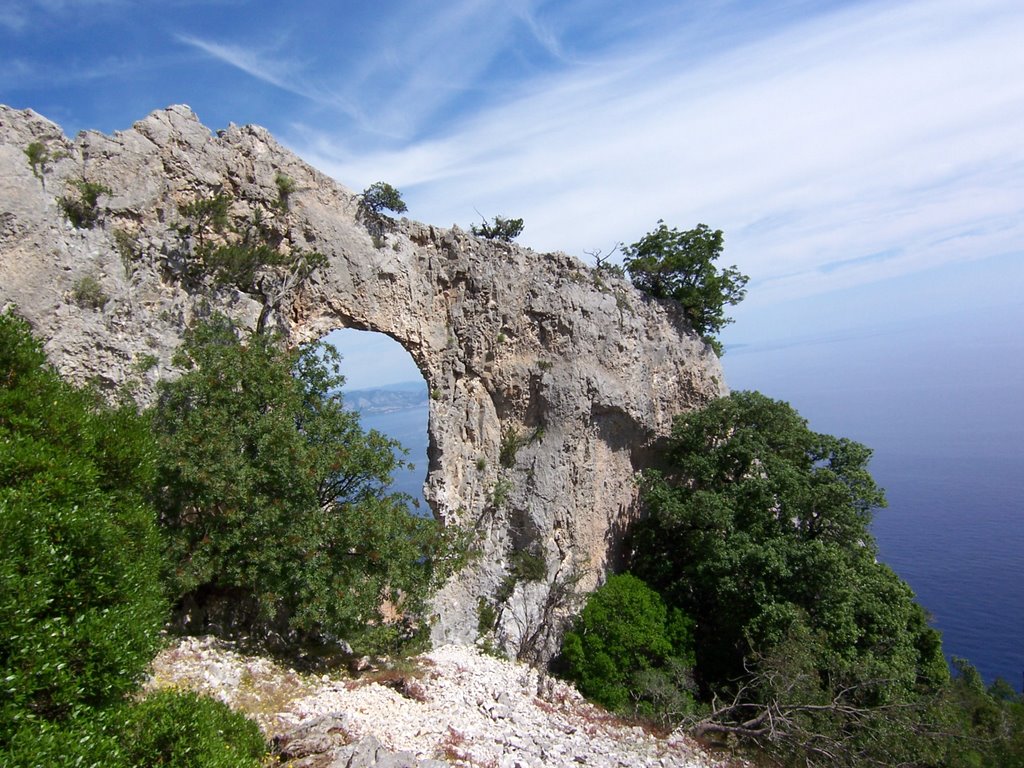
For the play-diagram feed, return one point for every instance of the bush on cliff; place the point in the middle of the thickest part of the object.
(80, 599)
(669, 264)
(274, 500)
(758, 528)
(630, 653)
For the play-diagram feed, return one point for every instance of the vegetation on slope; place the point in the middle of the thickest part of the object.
(804, 645)
(273, 501)
(81, 604)
(248, 479)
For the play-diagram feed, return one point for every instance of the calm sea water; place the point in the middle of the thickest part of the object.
(409, 427)
(942, 405)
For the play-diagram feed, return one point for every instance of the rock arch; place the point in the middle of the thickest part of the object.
(549, 381)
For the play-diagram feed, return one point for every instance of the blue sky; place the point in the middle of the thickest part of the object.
(864, 159)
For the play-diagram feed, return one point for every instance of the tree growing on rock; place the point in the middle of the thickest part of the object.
(373, 202)
(254, 258)
(500, 228)
(669, 264)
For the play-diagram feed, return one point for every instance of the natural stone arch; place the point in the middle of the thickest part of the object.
(581, 371)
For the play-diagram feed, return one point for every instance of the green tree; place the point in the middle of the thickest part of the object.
(253, 260)
(630, 653)
(669, 264)
(83, 211)
(274, 500)
(758, 528)
(38, 158)
(80, 598)
(374, 200)
(381, 196)
(989, 721)
(505, 230)
(205, 216)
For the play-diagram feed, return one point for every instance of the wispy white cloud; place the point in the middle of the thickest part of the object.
(542, 33)
(288, 74)
(275, 72)
(432, 55)
(880, 128)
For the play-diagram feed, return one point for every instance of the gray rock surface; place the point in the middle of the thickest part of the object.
(573, 371)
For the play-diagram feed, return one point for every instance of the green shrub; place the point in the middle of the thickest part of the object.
(206, 216)
(83, 211)
(89, 294)
(486, 616)
(511, 442)
(528, 566)
(80, 602)
(499, 493)
(89, 740)
(629, 653)
(127, 246)
(38, 158)
(173, 729)
(179, 729)
(505, 230)
(273, 497)
(285, 187)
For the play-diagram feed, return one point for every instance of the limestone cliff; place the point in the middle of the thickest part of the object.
(549, 382)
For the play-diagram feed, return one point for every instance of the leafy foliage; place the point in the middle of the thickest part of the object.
(206, 216)
(285, 187)
(89, 293)
(253, 260)
(83, 211)
(669, 264)
(179, 729)
(374, 200)
(630, 653)
(38, 158)
(80, 601)
(381, 196)
(758, 529)
(990, 720)
(505, 230)
(273, 495)
(174, 729)
(773, 520)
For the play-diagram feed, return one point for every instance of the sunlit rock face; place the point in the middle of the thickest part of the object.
(549, 382)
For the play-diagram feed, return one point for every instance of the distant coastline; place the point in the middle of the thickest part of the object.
(389, 398)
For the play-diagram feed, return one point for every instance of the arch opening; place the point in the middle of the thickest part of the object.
(385, 386)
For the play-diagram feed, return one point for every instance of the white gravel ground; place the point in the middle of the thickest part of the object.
(460, 705)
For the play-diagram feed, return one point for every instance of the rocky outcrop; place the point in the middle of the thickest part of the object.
(549, 381)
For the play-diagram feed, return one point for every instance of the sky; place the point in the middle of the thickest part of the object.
(865, 161)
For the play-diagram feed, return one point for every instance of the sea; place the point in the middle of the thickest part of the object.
(409, 427)
(941, 404)
(942, 407)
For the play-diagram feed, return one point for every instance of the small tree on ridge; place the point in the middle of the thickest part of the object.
(669, 264)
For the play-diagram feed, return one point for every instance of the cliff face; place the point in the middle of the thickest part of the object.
(549, 382)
